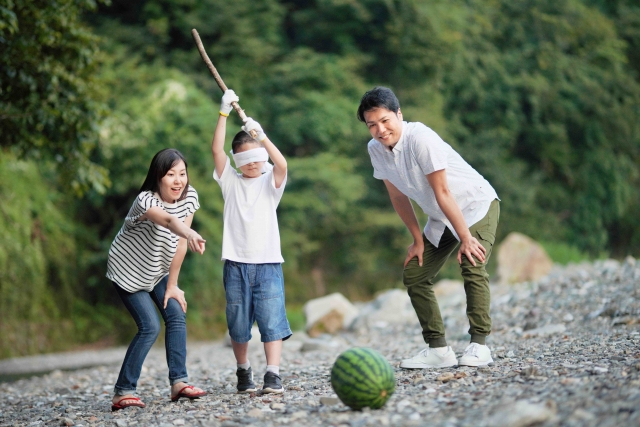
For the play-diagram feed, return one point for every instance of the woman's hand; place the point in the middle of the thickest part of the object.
(195, 242)
(177, 294)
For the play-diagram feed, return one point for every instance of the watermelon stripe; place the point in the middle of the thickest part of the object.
(362, 377)
(366, 373)
(376, 368)
(359, 387)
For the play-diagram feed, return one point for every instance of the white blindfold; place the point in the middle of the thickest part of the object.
(250, 156)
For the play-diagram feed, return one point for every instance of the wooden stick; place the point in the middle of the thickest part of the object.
(214, 72)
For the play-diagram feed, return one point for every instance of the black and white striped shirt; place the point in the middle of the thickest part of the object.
(142, 251)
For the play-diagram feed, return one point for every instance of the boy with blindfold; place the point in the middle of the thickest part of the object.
(253, 280)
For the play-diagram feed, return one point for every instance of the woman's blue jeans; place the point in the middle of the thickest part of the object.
(141, 306)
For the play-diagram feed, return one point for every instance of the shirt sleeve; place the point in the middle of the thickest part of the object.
(145, 201)
(277, 192)
(226, 179)
(377, 171)
(429, 151)
(192, 203)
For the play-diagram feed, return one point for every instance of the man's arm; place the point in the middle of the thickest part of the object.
(404, 209)
(469, 245)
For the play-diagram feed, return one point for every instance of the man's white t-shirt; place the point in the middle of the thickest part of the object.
(419, 152)
(251, 232)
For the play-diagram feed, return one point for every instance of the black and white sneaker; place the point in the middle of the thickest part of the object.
(245, 380)
(272, 383)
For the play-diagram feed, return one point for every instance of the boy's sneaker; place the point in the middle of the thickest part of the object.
(431, 358)
(272, 383)
(245, 380)
(476, 355)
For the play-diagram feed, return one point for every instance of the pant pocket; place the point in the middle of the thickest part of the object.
(487, 236)
(270, 281)
(233, 283)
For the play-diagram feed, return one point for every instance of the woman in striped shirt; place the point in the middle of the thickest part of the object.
(144, 263)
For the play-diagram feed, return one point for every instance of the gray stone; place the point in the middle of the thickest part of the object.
(255, 413)
(314, 344)
(546, 330)
(522, 413)
(328, 401)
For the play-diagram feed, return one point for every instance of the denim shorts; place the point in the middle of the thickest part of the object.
(255, 293)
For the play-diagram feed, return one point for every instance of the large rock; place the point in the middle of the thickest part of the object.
(392, 306)
(328, 314)
(521, 259)
(255, 337)
(445, 287)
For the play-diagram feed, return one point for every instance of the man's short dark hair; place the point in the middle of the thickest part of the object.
(378, 97)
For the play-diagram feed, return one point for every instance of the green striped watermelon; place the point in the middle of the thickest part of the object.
(362, 377)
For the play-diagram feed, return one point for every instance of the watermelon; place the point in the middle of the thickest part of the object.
(362, 377)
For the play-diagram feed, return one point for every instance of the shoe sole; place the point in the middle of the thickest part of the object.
(476, 364)
(273, 390)
(424, 365)
(249, 390)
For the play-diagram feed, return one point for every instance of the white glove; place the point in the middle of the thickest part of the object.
(250, 125)
(228, 97)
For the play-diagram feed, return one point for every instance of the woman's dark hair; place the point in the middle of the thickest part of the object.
(378, 97)
(242, 138)
(161, 163)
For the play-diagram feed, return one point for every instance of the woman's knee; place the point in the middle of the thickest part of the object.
(173, 314)
(150, 328)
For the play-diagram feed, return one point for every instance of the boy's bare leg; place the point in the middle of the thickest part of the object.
(273, 351)
(240, 351)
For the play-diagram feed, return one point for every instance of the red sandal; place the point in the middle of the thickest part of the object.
(137, 402)
(181, 393)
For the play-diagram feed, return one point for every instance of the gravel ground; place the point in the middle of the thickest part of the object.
(566, 353)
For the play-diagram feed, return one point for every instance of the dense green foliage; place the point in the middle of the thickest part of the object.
(49, 104)
(542, 97)
(362, 378)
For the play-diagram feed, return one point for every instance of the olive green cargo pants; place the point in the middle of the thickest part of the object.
(419, 282)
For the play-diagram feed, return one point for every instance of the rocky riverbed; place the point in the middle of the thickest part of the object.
(566, 351)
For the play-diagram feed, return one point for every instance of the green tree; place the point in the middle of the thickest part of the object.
(541, 88)
(49, 100)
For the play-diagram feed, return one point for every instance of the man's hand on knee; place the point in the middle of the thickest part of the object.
(471, 247)
(416, 249)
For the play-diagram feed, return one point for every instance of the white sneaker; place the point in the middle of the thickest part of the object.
(430, 358)
(476, 355)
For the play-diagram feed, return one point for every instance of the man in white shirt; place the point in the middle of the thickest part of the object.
(463, 208)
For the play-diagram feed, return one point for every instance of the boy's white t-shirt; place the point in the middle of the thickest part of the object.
(250, 232)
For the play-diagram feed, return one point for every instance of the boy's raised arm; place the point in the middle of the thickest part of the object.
(217, 144)
(279, 162)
